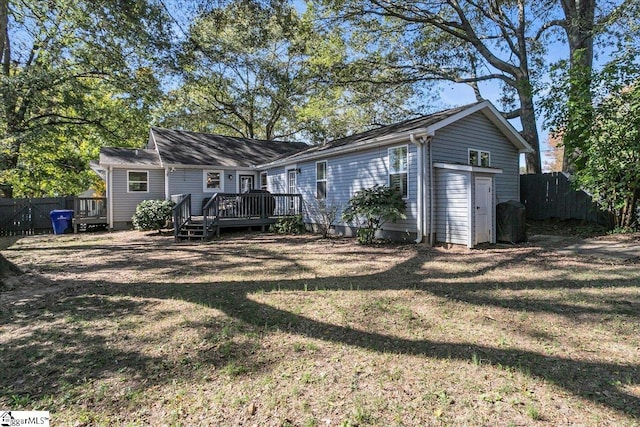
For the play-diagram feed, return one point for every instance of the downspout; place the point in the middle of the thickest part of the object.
(432, 237)
(167, 196)
(420, 193)
(110, 195)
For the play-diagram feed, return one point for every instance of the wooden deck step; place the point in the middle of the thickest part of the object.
(192, 231)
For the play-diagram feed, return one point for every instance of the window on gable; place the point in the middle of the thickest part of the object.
(212, 181)
(398, 169)
(321, 180)
(479, 158)
(138, 181)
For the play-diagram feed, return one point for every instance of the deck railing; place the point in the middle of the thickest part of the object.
(181, 212)
(90, 208)
(252, 205)
(249, 206)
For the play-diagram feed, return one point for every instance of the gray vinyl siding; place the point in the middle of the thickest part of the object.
(347, 174)
(452, 206)
(191, 181)
(451, 144)
(124, 203)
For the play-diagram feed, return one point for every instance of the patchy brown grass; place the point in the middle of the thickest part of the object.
(132, 329)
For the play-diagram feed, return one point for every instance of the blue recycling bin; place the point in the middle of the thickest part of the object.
(61, 220)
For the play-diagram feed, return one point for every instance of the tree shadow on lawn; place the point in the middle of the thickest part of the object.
(595, 381)
(70, 356)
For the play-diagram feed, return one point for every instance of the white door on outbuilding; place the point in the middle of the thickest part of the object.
(483, 205)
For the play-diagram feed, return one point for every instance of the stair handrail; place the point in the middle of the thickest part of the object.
(210, 213)
(181, 212)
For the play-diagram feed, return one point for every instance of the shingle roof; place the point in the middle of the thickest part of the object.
(194, 148)
(128, 156)
(405, 126)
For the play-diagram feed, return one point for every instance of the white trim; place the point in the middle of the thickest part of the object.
(293, 169)
(155, 146)
(139, 166)
(496, 117)
(420, 199)
(325, 180)
(349, 148)
(110, 196)
(167, 172)
(471, 227)
(129, 181)
(485, 106)
(467, 168)
(389, 167)
(477, 150)
(210, 167)
(205, 189)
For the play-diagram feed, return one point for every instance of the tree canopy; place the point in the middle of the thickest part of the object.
(75, 75)
(610, 155)
(265, 70)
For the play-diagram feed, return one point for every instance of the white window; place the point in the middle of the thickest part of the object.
(398, 169)
(479, 158)
(263, 181)
(137, 181)
(213, 181)
(321, 180)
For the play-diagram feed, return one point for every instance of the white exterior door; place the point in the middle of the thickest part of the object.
(291, 188)
(246, 183)
(483, 209)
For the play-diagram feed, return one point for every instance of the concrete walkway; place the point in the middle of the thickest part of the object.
(623, 250)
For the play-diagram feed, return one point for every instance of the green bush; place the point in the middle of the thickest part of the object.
(153, 215)
(288, 225)
(371, 208)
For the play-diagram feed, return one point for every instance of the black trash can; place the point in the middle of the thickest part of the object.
(61, 220)
(511, 222)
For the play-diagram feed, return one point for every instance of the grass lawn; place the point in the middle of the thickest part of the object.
(132, 329)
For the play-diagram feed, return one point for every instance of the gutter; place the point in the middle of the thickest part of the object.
(110, 195)
(364, 145)
(420, 193)
(432, 237)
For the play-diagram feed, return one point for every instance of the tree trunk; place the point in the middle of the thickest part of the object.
(530, 130)
(579, 17)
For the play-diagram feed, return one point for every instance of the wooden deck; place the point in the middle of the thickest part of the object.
(228, 210)
(89, 212)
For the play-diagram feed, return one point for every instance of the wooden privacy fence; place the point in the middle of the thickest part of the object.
(550, 195)
(30, 216)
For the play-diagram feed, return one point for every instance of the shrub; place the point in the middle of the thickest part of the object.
(325, 214)
(371, 208)
(288, 225)
(153, 215)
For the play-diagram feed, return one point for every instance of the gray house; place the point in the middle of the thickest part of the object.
(452, 167)
(179, 162)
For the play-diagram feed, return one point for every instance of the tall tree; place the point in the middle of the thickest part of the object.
(68, 66)
(261, 70)
(610, 158)
(463, 41)
(580, 23)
